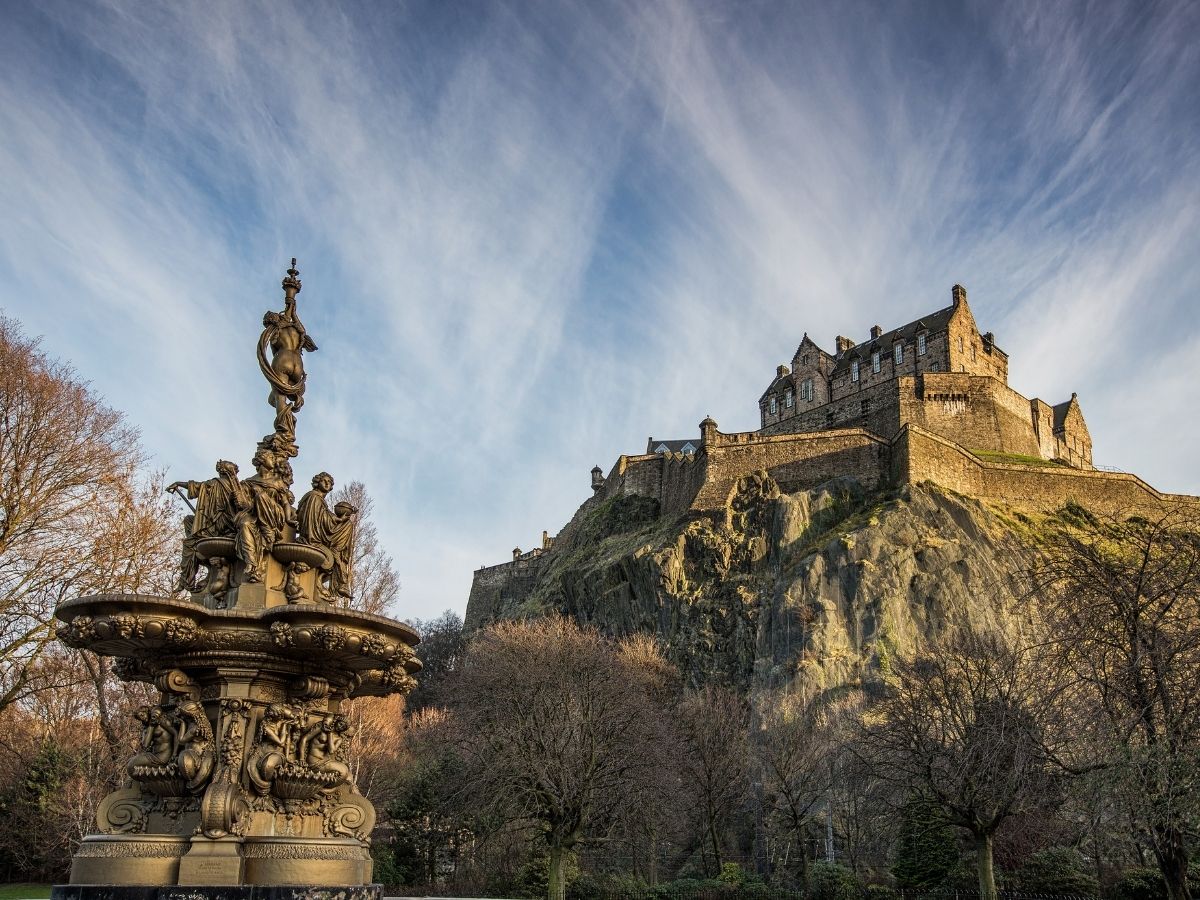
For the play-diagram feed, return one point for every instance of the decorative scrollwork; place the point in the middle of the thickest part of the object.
(122, 812)
(176, 681)
(353, 817)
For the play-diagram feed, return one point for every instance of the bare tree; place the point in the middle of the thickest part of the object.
(715, 759)
(556, 727)
(441, 650)
(72, 517)
(794, 752)
(1125, 606)
(965, 726)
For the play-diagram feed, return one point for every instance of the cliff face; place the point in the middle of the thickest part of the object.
(804, 591)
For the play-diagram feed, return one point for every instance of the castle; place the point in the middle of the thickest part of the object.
(938, 373)
(926, 402)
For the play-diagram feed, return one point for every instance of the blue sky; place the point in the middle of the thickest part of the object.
(533, 234)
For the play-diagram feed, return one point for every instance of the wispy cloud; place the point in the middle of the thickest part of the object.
(531, 235)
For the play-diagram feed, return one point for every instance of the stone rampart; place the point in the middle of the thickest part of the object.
(920, 455)
(795, 461)
(977, 412)
(492, 586)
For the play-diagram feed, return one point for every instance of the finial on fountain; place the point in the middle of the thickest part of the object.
(292, 280)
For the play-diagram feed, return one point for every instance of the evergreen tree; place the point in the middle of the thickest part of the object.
(926, 847)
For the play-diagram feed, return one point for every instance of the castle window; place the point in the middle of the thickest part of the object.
(875, 361)
(774, 407)
(933, 367)
(960, 344)
(854, 370)
(788, 400)
(806, 390)
(920, 344)
(866, 407)
(898, 353)
(804, 360)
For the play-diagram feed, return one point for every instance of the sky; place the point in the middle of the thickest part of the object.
(533, 234)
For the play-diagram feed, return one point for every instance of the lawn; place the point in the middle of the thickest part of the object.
(24, 891)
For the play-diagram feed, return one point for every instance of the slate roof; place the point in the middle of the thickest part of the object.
(652, 445)
(931, 323)
(779, 380)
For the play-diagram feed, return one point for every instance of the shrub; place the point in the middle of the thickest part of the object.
(607, 887)
(733, 874)
(385, 871)
(1139, 884)
(1057, 870)
(830, 881)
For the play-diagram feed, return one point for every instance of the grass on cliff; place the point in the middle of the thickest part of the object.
(614, 529)
(1019, 459)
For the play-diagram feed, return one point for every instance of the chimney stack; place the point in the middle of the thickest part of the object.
(876, 331)
(843, 344)
(780, 371)
(958, 294)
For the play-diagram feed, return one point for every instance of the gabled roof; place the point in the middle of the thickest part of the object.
(807, 340)
(1060, 412)
(931, 323)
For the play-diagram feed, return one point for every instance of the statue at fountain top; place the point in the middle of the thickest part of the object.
(284, 335)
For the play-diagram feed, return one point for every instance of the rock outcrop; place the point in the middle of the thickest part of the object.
(805, 591)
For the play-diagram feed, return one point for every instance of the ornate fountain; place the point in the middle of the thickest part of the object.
(242, 777)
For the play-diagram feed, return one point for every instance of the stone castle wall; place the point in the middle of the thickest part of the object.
(976, 412)
(795, 461)
(919, 455)
(874, 408)
(494, 586)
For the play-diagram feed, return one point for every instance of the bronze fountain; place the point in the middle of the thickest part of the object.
(241, 787)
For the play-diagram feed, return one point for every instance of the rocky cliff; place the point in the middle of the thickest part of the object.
(803, 591)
